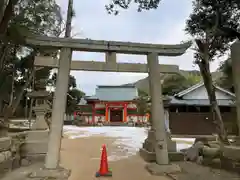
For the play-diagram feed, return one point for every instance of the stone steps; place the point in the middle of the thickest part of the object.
(117, 124)
(35, 147)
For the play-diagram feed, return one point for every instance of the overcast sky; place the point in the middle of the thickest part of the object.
(164, 25)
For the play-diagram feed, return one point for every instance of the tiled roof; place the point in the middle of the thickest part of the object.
(198, 85)
(115, 93)
(200, 102)
(120, 86)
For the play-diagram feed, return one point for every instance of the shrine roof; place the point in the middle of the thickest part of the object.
(119, 86)
(115, 93)
(199, 102)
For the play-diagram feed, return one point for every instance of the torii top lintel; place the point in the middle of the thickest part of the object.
(108, 46)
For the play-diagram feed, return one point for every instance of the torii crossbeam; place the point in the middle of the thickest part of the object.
(104, 66)
(108, 46)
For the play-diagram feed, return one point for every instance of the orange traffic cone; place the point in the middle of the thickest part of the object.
(104, 171)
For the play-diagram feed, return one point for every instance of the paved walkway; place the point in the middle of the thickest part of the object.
(82, 156)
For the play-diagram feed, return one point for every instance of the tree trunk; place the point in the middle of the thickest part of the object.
(26, 108)
(3, 53)
(8, 13)
(12, 108)
(32, 100)
(30, 112)
(12, 90)
(26, 99)
(208, 82)
(3, 4)
(1, 105)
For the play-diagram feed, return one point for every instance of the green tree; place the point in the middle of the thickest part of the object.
(7, 7)
(115, 5)
(16, 62)
(6, 13)
(173, 84)
(206, 24)
(142, 102)
(226, 81)
(74, 95)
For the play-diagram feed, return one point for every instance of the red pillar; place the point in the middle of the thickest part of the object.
(125, 113)
(106, 113)
(75, 115)
(93, 114)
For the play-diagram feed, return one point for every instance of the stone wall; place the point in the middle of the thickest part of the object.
(10, 152)
(22, 149)
(35, 146)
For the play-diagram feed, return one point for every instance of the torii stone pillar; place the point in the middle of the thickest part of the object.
(235, 58)
(60, 98)
(162, 164)
(59, 102)
(157, 111)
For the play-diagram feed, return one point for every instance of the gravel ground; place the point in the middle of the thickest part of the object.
(82, 156)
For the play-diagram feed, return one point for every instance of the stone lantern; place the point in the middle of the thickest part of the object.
(36, 142)
(41, 107)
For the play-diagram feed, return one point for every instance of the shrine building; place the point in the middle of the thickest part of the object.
(110, 104)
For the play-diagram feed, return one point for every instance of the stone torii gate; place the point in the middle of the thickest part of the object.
(235, 58)
(110, 48)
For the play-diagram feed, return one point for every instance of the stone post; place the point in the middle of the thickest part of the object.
(235, 58)
(158, 141)
(59, 105)
(157, 111)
